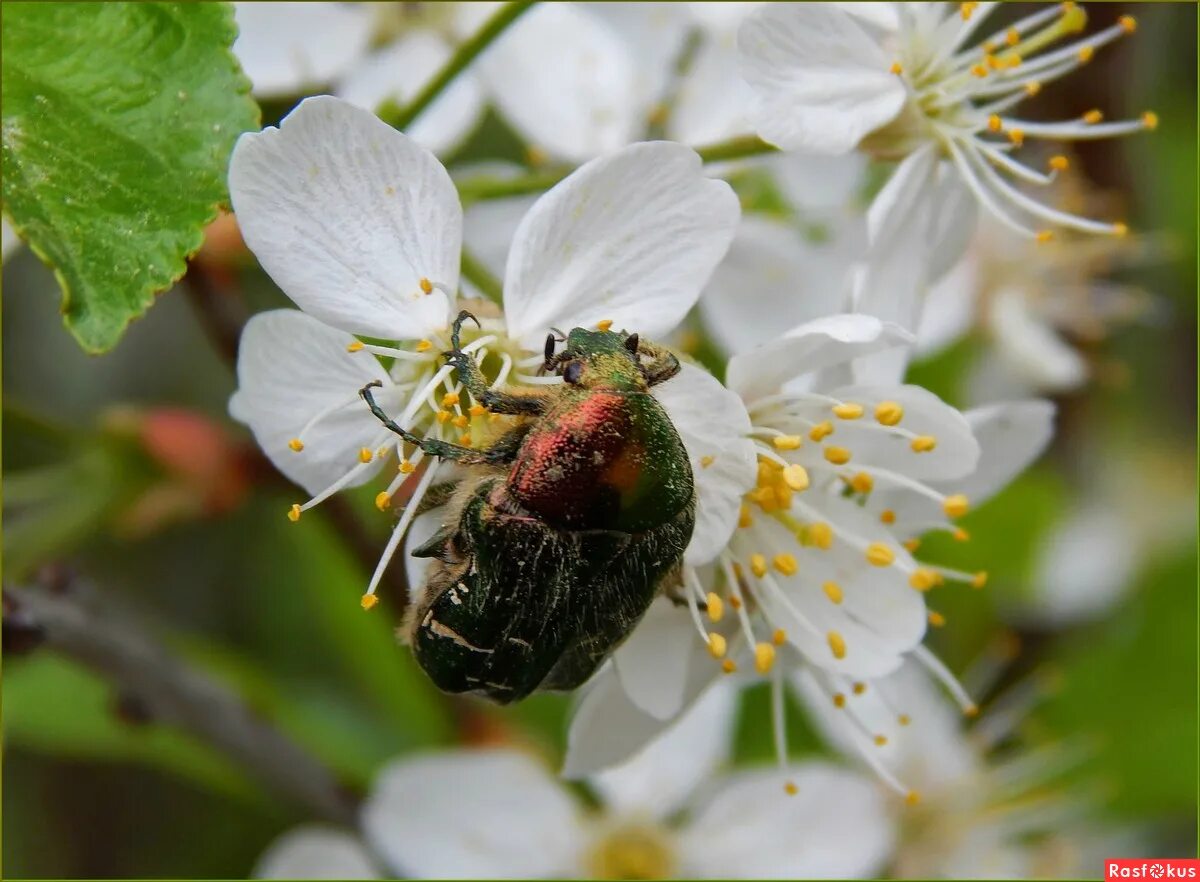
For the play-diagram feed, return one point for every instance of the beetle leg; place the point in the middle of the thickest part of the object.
(498, 401)
(432, 446)
(662, 365)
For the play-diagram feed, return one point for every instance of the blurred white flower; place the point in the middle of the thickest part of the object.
(500, 814)
(987, 806)
(362, 227)
(9, 240)
(911, 81)
(820, 572)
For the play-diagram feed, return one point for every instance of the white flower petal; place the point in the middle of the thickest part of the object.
(316, 852)
(821, 83)
(774, 278)
(347, 215)
(566, 81)
(808, 348)
(652, 664)
(1031, 348)
(659, 780)
(489, 226)
(607, 728)
(710, 105)
(1083, 566)
(835, 827)
(955, 216)
(631, 237)
(956, 455)
(1011, 436)
(713, 424)
(494, 814)
(292, 367)
(9, 240)
(949, 309)
(290, 48)
(654, 34)
(399, 71)
(814, 182)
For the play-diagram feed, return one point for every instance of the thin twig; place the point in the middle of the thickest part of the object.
(93, 632)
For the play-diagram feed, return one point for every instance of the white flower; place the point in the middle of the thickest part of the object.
(821, 572)
(499, 814)
(987, 808)
(900, 80)
(362, 227)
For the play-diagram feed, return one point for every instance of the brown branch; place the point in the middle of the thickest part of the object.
(76, 622)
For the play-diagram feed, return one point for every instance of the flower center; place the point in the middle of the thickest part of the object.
(393, 20)
(633, 851)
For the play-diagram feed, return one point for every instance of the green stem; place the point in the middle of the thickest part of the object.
(482, 188)
(402, 117)
(481, 277)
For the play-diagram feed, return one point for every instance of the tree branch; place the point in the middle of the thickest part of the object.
(77, 623)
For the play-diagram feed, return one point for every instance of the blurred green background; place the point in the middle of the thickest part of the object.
(271, 607)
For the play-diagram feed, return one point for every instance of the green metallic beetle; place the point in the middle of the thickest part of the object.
(565, 529)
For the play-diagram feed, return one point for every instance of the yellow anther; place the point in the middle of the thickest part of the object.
(424, 346)
(960, 535)
(716, 645)
(992, 61)
(406, 467)
(368, 601)
(859, 688)
(745, 519)
(833, 591)
(783, 496)
(786, 442)
(1012, 37)
(1120, 230)
(966, 10)
(889, 413)
(1032, 88)
(848, 411)
(728, 666)
(979, 70)
(1059, 163)
(995, 124)
(296, 444)
(715, 607)
(758, 565)
(477, 410)
(904, 719)
(790, 788)
(821, 430)
(912, 798)
(461, 421)
(887, 516)
(779, 637)
(1150, 120)
(971, 710)
(365, 455)
(443, 415)
(1044, 236)
(880, 555)
(979, 579)
(450, 399)
(382, 500)
(1092, 117)
(796, 477)
(839, 700)
(1016, 136)
(936, 619)
(1128, 23)
(465, 439)
(764, 657)
(880, 740)
(356, 346)
(987, 46)
(294, 512)
(734, 600)
(862, 483)
(604, 324)
(837, 645)
(426, 285)
(821, 535)
(707, 460)
(912, 544)
(837, 455)
(896, 68)
(923, 443)
(1085, 54)
(956, 506)
(786, 564)
(923, 578)
(1074, 18)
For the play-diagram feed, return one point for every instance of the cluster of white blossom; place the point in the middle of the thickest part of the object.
(817, 468)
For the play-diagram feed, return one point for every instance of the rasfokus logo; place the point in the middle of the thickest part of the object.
(1151, 868)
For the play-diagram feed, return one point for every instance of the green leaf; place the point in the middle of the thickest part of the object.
(118, 121)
